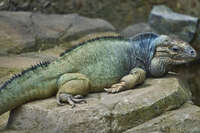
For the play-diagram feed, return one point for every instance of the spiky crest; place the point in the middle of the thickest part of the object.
(32, 68)
(88, 41)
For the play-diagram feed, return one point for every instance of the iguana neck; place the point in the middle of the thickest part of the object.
(143, 49)
(158, 67)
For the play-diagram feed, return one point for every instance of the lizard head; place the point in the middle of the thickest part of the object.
(170, 51)
(175, 51)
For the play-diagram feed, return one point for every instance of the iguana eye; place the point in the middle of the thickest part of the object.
(175, 48)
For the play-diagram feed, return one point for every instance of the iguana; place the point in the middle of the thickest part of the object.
(109, 63)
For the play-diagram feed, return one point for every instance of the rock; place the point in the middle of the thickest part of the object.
(11, 131)
(164, 21)
(81, 26)
(102, 112)
(16, 32)
(134, 29)
(121, 14)
(189, 76)
(67, 27)
(25, 31)
(184, 120)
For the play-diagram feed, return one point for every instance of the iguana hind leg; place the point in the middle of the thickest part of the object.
(135, 77)
(71, 88)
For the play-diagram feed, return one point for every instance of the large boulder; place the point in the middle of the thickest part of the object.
(103, 112)
(164, 21)
(184, 120)
(25, 31)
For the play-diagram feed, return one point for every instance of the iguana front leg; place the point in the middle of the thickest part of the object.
(135, 77)
(72, 86)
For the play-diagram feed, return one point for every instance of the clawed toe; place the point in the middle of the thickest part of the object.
(111, 90)
(78, 96)
(108, 90)
(63, 98)
(116, 88)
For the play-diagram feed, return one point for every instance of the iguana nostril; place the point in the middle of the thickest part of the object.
(193, 53)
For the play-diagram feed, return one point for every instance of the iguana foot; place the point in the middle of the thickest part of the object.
(67, 98)
(136, 76)
(116, 87)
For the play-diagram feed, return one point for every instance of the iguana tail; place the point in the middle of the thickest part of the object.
(19, 89)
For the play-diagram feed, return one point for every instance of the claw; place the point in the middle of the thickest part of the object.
(78, 96)
(70, 101)
(63, 98)
(58, 101)
(115, 88)
(112, 90)
(79, 100)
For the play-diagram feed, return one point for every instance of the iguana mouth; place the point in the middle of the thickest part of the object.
(186, 57)
(182, 61)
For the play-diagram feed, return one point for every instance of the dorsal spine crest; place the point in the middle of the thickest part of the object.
(88, 41)
(32, 68)
(141, 36)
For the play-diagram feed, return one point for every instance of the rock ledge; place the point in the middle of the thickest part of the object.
(103, 112)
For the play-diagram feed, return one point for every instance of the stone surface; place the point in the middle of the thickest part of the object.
(164, 21)
(103, 112)
(16, 32)
(134, 29)
(25, 31)
(120, 14)
(184, 120)
(67, 27)
(189, 76)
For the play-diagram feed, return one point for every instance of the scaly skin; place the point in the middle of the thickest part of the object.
(111, 63)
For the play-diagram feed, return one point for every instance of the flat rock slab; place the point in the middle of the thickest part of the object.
(25, 31)
(103, 113)
(184, 120)
(164, 21)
